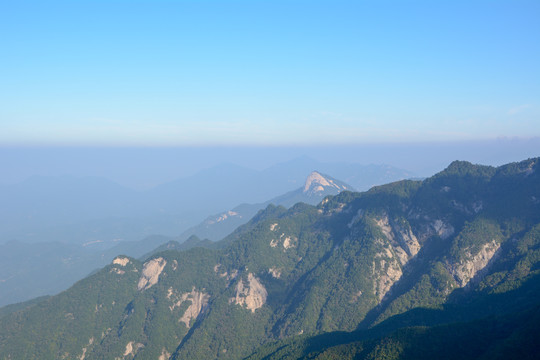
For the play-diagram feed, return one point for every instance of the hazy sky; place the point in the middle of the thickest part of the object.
(267, 72)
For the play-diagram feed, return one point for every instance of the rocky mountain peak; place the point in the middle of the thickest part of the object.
(378, 262)
(317, 183)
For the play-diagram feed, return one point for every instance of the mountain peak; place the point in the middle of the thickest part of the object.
(317, 183)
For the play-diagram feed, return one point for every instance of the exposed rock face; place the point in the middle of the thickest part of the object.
(316, 182)
(443, 229)
(222, 273)
(251, 296)
(165, 355)
(384, 225)
(407, 239)
(223, 216)
(276, 273)
(404, 242)
(289, 242)
(386, 271)
(199, 302)
(132, 348)
(431, 227)
(389, 272)
(129, 349)
(466, 269)
(528, 167)
(85, 349)
(150, 274)
(122, 261)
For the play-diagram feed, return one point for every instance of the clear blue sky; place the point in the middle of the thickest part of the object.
(267, 72)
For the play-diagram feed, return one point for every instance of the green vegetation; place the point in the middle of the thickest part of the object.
(448, 267)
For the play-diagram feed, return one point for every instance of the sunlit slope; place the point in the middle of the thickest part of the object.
(351, 262)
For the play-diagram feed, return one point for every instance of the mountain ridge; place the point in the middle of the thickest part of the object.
(387, 257)
(48, 208)
(316, 186)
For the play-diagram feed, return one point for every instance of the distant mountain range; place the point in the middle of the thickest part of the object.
(316, 187)
(447, 267)
(30, 270)
(101, 213)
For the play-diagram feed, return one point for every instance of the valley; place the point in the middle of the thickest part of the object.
(359, 274)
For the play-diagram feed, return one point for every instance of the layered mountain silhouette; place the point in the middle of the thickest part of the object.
(50, 267)
(315, 188)
(99, 212)
(376, 274)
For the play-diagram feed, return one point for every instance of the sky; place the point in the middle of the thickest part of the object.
(271, 73)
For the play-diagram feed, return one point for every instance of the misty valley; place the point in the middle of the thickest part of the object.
(443, 267)
(268, 180)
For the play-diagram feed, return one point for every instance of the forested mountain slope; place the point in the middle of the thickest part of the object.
(315, 188)
(466, 240)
